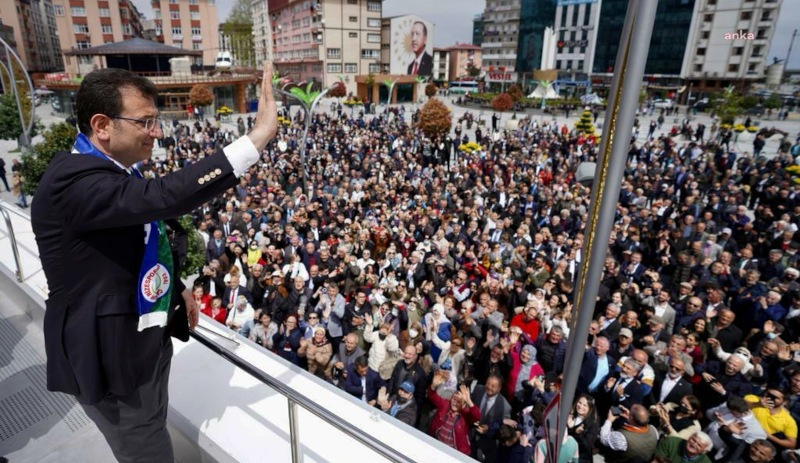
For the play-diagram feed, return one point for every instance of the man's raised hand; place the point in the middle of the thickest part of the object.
(266, 125)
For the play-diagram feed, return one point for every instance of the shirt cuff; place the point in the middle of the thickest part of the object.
(241, 154)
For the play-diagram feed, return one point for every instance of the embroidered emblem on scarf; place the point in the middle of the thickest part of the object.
(154, 290)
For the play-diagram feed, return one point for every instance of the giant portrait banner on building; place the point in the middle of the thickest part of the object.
(411, 46)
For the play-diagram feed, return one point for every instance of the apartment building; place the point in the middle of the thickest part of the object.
(326, 40)
(730, 40)
(501, 22)
(32, 25)
(262, 31)
(85, 24)
(189, 24)
(441, 65)
(463, 56)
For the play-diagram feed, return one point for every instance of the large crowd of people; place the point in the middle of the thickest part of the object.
(437, 284)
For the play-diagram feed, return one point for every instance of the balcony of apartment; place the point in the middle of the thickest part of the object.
(230, 399)
(492, 44)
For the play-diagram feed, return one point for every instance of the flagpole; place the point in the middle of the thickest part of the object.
(620, 112)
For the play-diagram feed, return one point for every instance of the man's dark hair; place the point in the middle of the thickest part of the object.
(737, 404)
(100, 93)
(424, 27)
(362, 361)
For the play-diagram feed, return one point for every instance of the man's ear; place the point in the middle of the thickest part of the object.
(100, 124)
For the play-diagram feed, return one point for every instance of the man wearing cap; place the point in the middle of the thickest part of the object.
(401, 405)
(728, 244)
(622, 346)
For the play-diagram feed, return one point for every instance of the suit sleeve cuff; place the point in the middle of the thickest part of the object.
(241, 154)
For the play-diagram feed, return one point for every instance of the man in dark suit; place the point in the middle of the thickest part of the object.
(423, 61)
(216, 246)
(624, 390)
(368, 390)
(671, 386)
(233, 291)
(494, 409)
(596, 366)
(104, 344)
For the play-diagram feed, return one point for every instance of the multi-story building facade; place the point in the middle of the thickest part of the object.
(501, 22)
(262, 31)
(238, 39)
(326, 40)
(441, 64)
(35, 33)
(85, 24)
(477, 29)
(463, 56)
(189, 24)
(729, 41)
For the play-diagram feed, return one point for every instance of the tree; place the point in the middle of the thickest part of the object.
(369, 82)
(502, 102)
(431, 89)
(10, 126)
(338, 90)
(239, 28)
(435, 119)
(515, 92)
(195, 252)
(59, 137)
(727, 105)
(200, 95)
(473, 71)
(585, 124)
(773, 102)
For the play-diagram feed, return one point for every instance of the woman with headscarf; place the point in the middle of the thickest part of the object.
(525, 368)
(436, 323)
(319, 353)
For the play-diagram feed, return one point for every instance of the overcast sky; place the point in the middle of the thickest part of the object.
(453, 19)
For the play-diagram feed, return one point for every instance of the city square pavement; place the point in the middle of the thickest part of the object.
(792, 125)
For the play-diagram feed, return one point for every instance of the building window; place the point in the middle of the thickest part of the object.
(177, 43)
(156, 13)
(738, 51)
(374, 22)
(334, 67)
(746, 15)
(374, 38)
(708, 18)
(83, 44)
(752, 67)
(353, 19)
(353, 35)
(78, 11)
(85, 60)
(197, 31)
(197, 45)
(80, 28)
(194, 15)
(701, 52)
(177, 31)
(126, 29)
(196, 2)
(733, 68)
(705, 35)
(374, 68)
(369, 54)
(334, 53)
(107, 29)
(698, 68)
(350, 68)
(352, 2)
(58, 10)
(306, 37)
(159, 30)
(174, 14)
(374, 6)
(123, 12)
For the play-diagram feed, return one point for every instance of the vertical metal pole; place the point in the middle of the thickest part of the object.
(623, 100)
(294, 431)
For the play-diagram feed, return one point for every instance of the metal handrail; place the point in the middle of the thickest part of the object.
(14, 247)
(295, 399)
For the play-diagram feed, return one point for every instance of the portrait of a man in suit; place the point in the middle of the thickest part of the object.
(423, 61)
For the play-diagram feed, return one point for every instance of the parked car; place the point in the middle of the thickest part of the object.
(701, 105)
(757, 110)
(663, 104)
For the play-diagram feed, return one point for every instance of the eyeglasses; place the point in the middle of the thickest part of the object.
(149, 124)
(314, 317)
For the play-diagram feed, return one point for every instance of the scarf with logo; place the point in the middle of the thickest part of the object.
(154, 288)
